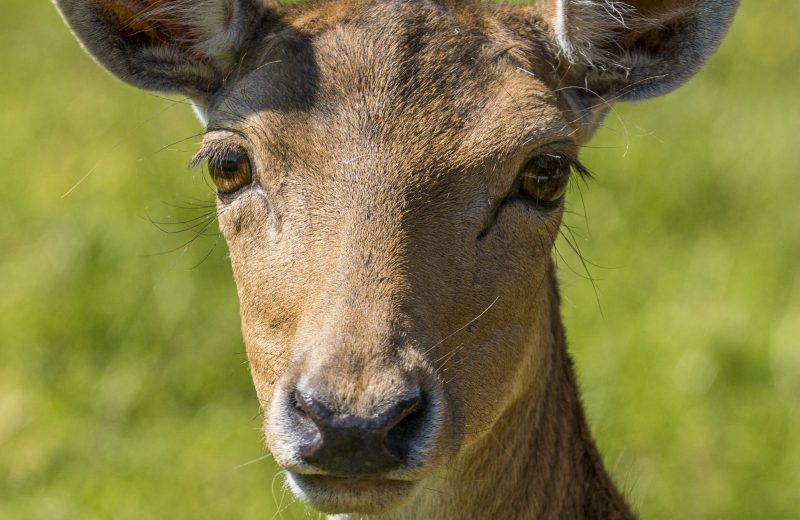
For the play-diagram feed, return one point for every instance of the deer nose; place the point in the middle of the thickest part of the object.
(346, 444)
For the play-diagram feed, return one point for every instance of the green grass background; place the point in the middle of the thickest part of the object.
(124, 391)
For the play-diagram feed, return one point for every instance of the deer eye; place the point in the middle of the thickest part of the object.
(230, 171)
(544, 179)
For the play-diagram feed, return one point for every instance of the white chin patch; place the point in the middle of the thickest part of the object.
(296, 490)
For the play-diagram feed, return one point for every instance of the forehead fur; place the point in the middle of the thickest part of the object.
(437, 80)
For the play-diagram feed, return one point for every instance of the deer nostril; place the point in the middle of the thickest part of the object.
(403, 410)
(298, 403)
(306, 427)
(406, 429)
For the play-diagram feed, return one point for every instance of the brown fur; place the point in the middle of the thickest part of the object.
(377, 250)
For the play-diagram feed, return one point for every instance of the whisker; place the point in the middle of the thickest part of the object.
(470, 322)
(251, 462)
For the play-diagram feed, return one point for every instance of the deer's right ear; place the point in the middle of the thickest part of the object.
(187, 46)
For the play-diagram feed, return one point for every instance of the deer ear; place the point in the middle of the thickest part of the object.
(188, 46)
(637, 49)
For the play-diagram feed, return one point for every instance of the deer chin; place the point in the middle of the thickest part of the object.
(339, 495)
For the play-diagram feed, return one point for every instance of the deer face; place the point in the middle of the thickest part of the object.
(390, 178)
(390, 233)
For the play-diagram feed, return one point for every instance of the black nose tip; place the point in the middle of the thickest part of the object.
(347, 444)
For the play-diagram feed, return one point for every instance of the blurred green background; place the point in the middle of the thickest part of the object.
(124, 390)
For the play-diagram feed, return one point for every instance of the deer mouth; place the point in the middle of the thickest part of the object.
(337, 495)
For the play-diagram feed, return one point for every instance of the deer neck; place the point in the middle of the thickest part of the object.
(538, 461)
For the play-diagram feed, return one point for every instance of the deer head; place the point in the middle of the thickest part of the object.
(391, 177)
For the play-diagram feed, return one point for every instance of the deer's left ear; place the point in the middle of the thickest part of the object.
(637, 49)
(187, 46)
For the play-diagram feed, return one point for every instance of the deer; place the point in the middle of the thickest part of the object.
(390, 180)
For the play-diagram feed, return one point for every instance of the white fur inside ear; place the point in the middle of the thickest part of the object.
(560, 28)
(582, 29)
(200, 112)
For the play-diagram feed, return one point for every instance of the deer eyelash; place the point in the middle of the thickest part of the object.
(213, 150)
(578, 167)
(575, 165)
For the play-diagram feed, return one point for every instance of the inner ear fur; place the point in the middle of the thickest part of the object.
(187, 46)
(635, 49)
